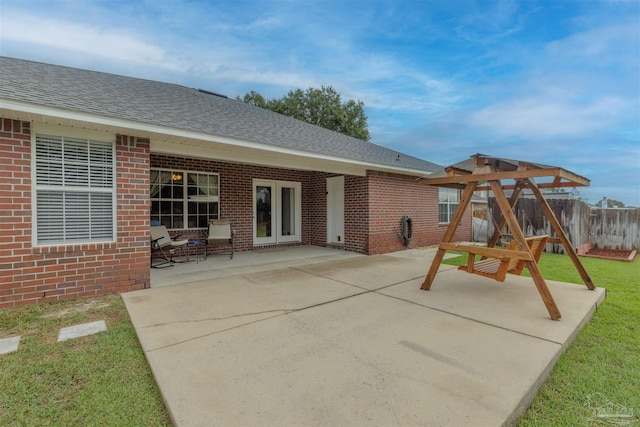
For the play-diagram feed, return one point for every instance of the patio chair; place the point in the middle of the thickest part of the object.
(220, 234)
(165, 247)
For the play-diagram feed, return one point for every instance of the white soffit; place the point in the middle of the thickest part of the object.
(166, 140)
(234, 154)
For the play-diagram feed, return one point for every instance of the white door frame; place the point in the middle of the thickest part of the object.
(277, 214)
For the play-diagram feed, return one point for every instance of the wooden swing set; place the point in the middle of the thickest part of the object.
(483, 172)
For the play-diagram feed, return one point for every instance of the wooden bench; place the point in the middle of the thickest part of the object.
(498, 267)
(511, 260)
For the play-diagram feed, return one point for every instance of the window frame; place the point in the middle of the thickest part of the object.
(185, 196)
(449, 203)
(67, 136)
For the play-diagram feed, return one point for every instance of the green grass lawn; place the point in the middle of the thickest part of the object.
(104, 379)
(601, 368)
(101, 379)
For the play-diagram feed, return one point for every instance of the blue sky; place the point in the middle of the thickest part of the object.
(555, 82)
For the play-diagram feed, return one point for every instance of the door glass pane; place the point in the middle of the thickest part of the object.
(288, 204)
(263, 211)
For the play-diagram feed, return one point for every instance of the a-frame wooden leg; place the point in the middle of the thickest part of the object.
(507, 213)
(501, 223)
(568, 247)
(518, 236)
(448, 235)
(543, 290)
(433, 270)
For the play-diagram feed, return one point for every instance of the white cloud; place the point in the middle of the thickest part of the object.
(259, 76)
(605, 44)
(543, 117)
(578, 86)
(104, 42)
(487, 23)
(257, 25)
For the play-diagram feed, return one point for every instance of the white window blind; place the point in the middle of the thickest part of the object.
(74, 190)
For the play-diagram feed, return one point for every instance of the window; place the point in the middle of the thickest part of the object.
(179, 198)
(74, 190)
(449, 198)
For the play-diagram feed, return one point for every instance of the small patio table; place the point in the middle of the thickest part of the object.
(197, 244)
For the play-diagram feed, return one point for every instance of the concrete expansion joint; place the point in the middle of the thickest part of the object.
(478, 321)
(280, 312)
(212, 333)
(235, 316)
(353, 285)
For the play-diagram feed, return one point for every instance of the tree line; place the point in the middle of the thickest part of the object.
(322, 107)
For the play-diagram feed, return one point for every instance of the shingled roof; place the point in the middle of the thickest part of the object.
(179, 107)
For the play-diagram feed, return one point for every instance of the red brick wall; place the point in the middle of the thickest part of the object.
(33, 274)
(17, 270)
(357, 214)
(382, 197)
(374, 206)
(134, 209)
(236, 200)
(316, 223)
(236, 194)
(393, 196)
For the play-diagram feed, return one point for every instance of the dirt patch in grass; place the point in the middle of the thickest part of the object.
(616, 255)
(81, 306)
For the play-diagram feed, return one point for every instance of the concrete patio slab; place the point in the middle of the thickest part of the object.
(353, 342)
(244, 263)
(357, 361)
(373, 272)
(514, 304)
(174, 314)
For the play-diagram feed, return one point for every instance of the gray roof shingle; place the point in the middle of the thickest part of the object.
(172, 105)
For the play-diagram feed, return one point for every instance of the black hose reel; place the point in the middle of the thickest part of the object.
(406, 229)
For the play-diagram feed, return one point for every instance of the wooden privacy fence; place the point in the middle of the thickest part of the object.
(617, 229)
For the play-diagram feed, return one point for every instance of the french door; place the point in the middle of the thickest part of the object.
(276, 211)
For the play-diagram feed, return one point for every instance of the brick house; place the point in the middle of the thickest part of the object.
(88, 160)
